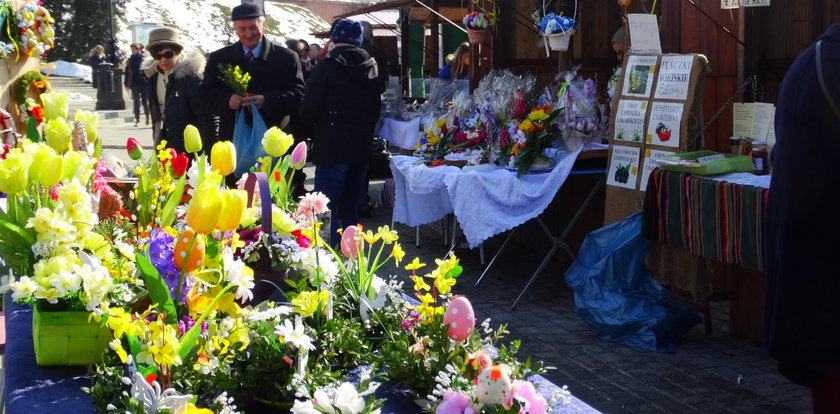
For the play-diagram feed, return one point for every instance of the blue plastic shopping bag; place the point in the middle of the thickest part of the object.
(615, 295)
(248, 139)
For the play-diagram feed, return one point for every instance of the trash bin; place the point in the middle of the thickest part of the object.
(109, 93)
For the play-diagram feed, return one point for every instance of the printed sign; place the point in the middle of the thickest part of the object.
(638, 81)
(644, 33)
(664, 125)
(754, 3)
(651, 155)
(742, 116)
(624, 167)
(674, 77)
(761, 120)
(729, 4)
(630, 120)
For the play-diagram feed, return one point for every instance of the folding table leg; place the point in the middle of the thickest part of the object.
(417, 236)
(496, 256)
(535, 275)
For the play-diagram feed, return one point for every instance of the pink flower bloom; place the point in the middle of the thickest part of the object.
(298, 156)
(455, 403)
(312, 201)
(530, 402)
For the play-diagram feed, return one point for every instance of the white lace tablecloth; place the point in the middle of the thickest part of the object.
(484, 203)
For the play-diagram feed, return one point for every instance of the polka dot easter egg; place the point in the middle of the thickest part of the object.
(494, 387)
(187, 258)
(460, 317)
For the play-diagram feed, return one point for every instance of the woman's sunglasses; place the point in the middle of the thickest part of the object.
(168, 54)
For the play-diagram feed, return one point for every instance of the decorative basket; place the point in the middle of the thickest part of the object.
(67, 338)
(559, 41)
(477, 36)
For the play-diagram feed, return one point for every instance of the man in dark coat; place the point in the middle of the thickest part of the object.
(136, 81)
(343, 101)
(276, 79)
(802, 314)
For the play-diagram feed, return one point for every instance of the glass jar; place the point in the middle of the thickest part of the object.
(760, 158)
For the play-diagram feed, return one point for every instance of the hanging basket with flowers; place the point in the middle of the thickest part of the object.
(478, 27)
(557, 31)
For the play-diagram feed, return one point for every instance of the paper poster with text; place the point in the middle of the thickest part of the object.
(624, 167)
(638, 81)
(651, 155)
(630, 120)
(674, 77)
(664, 125)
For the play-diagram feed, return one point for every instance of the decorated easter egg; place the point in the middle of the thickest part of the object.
(494, 386)
(460, 318)
(188, 258)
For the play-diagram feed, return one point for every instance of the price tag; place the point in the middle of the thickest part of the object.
(710, 158)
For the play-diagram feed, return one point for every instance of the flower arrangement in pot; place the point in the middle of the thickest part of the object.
(558, 30)
(478, 26)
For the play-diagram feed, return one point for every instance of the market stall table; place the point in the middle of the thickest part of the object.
(721, 218)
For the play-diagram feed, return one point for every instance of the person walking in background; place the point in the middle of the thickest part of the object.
(802, 312)
(174, 90)
(276, 80)
(95, 57)
(135, 80)
(343, 102)
(459, 66)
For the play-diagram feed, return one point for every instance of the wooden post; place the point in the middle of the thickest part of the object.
(434, 48)
(404, 45)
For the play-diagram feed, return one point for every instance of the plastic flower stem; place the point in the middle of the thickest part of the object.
(188, 340)
(202, 161)
(177, 298)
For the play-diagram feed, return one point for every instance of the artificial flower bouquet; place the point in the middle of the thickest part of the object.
(234, 78)
(532, 137)
(557, 23)
(477, 21)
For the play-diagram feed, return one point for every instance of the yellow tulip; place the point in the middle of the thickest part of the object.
(223, 157)
(14, 171)
(205, 208)
(233, 207)
(91, 121)
(276, 142)
(42, 156)
(52, 171)
(55, 105)
(59, 134)
(192, 139)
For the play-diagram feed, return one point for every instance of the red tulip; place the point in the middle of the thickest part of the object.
(135, 151)
(180, 164)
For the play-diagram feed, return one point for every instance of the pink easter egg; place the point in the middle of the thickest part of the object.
(460, 317)
(349, 245)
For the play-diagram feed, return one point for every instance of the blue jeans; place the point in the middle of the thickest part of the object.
(344, 185)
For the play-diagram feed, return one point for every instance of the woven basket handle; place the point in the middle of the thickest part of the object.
(260, 179)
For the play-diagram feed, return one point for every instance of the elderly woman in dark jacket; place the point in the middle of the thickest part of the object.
(342, 100)
(174, 81)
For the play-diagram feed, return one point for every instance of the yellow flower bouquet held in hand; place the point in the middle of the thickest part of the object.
(232, 76)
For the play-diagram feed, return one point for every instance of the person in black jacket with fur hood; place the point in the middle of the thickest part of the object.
(174, 82)
(343, 101)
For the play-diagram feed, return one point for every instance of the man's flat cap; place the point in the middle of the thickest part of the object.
(246, 11)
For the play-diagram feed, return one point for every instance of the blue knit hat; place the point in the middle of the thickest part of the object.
(346, 31)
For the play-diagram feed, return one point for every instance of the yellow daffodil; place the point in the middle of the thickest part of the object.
(388, 236)
(397, 253)
(116, 345)
(420, 284)
(199, 304)
(434, 140)
(205, 208)
(276, 142)
(443, 284)
(306, 303)
(415, 264)
(192, 139)
(223, 157)
(370, 237)
(191, 409)
(233, 208)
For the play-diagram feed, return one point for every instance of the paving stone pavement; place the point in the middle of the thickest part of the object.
(717, 373)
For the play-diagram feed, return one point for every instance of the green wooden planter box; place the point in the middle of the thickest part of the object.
(67, 338)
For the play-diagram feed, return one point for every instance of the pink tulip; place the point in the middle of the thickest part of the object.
(298, 156)
(349, 245)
